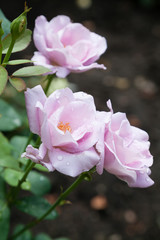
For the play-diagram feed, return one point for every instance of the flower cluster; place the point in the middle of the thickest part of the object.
(66, 47)
(76, 137)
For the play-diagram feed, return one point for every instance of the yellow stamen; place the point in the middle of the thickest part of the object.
(64, 127)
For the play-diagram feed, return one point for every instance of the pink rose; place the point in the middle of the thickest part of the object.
(127, 151)
(69, 128)
(66, 47)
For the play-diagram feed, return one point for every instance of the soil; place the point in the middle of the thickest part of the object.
(106, 208)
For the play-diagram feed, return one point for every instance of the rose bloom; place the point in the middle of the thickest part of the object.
(66, 47)
(69, 128)
(126, 151)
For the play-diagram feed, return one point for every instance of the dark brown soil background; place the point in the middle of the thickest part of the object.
(106, 208)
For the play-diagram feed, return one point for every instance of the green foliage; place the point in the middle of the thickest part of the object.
(18, 83)
(18, 147)
(9, 118)
(6, 159)
(42, 236)
(3, 190)
(4, 220)
(19, 24)
(31, 71)
(4, 212)
(21, 43)
(41, 168)
(19, 61)
(5, 23)
(18, 143)
(62, 238)
(57, 83)
(3, 78)
(40, 184)
(5, 147)
(12, 176)
(24, 236)
(35, 206)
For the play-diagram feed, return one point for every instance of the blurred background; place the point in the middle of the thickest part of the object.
(106, 208)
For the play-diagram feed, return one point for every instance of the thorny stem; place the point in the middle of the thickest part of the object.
(84, 175)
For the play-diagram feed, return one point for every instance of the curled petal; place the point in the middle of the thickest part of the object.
(39, 156)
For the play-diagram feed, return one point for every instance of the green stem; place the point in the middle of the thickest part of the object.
(58, 201)
(49, 78)
(1, 34)
(8, 54)
(14, 192)
(0, 49)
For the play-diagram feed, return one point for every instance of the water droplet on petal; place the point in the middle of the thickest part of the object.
(59, 157)
(57, 97)
(142, 172)
(147, 179)
(67, 163)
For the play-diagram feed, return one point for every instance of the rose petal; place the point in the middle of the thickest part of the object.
(73, 164)
(32, 96)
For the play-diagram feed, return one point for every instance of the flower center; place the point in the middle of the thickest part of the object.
(64, 127)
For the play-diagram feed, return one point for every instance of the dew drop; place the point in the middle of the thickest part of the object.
(59, 157)
(142, 172)
(147, 179)
(41, 178)
(57, 97)
(67, 163)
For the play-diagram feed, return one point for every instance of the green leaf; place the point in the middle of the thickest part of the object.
(5, 146)
(21, 43)
(6, 160)
(19, 61)
(3, 189)
(31, 71)
(62, 238)
(9, 118)
(26, 186)
(5, 23)
(3, 78)
(42, 236)
(25, 235)
(18, 146)
(40, 184)
(4, 220)
(57, 83)
(18, 83)
(41, 168)
(11, 176)
(18, 143)
(9, 162)
(35, 206)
